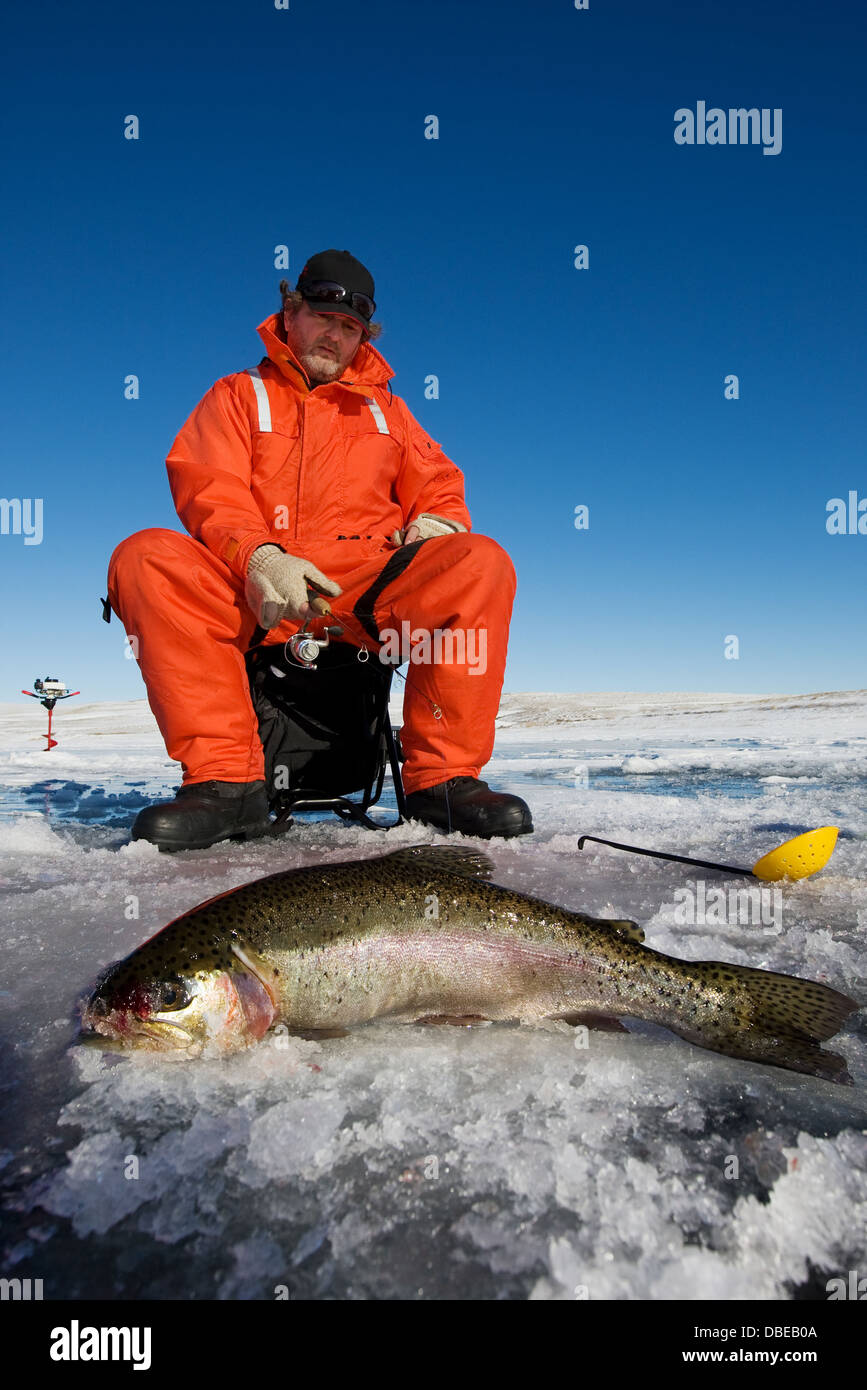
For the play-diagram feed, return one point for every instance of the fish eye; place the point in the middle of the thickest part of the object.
(172, 994)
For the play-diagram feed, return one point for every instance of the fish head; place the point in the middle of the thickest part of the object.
(184, 1001)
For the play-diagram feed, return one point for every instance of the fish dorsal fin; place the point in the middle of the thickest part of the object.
(452, 859)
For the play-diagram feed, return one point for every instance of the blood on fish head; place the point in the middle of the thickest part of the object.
(183, 1007)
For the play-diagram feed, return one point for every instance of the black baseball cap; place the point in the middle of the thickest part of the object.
(338, 268)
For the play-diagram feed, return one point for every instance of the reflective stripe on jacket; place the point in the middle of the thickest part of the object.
(265, 458)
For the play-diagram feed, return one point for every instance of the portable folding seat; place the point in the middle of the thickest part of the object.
(326, 731)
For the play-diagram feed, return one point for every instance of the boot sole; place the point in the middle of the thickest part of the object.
(169, 846)
(502, 833)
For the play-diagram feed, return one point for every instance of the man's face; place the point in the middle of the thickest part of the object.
(324, 344)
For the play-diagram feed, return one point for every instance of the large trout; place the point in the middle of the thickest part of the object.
(420, 934)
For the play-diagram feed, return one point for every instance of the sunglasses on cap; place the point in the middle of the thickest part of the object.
(327, 292)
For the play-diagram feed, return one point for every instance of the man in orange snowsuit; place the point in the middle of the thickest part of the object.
(304, 474)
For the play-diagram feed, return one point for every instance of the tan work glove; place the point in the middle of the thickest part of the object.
(277, 583)
(425, 527)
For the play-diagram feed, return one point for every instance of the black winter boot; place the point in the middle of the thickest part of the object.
(203, 813)
(468, 805)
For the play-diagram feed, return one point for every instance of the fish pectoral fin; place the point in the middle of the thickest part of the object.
(453, 859)
(456, 1020)
(602, 1023)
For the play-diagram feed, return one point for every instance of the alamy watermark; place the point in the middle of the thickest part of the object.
(851, 1288)
(715, 906)
(846, 517)
(22, 516)
(20, 1290)
(77, 1343)
(446, 646)
(711, 125)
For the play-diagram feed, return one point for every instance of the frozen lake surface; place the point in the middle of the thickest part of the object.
(410, 1162)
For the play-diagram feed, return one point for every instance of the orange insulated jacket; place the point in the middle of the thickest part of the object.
(328, 473)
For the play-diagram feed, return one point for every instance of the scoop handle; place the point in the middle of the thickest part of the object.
(674, 858)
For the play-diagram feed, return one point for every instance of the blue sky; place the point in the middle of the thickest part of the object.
(557, 386)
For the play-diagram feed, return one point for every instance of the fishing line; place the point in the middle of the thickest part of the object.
(436, 709)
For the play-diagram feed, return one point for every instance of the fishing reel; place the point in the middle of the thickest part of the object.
(303, 646)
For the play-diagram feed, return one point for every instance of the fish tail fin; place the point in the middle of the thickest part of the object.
(766, 1017)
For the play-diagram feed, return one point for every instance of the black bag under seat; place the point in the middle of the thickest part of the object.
(326, 732)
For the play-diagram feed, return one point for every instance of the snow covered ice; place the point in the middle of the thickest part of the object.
(415, 1162)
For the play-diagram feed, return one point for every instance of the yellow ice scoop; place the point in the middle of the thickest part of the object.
(798, 858)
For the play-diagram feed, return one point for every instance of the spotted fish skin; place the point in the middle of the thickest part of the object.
(421, 933)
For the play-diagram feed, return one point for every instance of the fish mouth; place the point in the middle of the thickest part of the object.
(120, 1032)
(101, 1042)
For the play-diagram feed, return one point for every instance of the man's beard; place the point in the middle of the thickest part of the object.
(321, 367)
